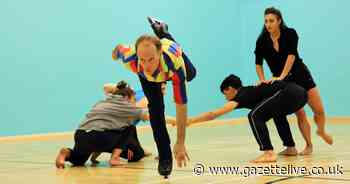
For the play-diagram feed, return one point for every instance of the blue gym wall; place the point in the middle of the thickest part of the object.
(56, 55)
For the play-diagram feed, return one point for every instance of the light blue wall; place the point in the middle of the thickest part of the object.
(56, 55)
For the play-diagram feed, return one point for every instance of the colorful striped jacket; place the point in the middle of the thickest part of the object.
(171, 67)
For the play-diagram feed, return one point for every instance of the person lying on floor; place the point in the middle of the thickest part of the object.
(108, 127)
(141, 102)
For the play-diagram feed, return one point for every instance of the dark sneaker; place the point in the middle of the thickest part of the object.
(165, 167)
(159, 27)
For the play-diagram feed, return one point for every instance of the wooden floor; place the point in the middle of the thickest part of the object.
(30, 159)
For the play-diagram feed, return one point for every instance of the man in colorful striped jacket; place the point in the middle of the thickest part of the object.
(156, 60)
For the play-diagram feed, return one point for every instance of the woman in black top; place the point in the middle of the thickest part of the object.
(277, 45)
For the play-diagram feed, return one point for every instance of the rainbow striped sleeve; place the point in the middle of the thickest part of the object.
(176, 65)
(127, 56)
(179, 87)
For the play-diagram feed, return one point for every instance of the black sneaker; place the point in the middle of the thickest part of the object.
(159, 27)
(165, 167)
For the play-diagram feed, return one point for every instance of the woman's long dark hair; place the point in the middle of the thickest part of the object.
(278, 14)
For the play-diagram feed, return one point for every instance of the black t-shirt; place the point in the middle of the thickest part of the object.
(250, 96)
(288, 45)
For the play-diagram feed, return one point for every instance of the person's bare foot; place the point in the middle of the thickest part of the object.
(307, 150)
(267, 156)
(289, 151)
(327, 138)
(115, 157)
(115, 161)
(147, 153)
(61, 157)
